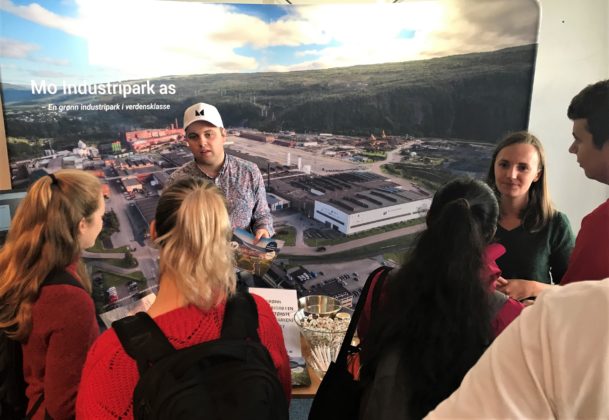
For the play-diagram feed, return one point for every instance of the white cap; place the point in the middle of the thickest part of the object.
(202, 112)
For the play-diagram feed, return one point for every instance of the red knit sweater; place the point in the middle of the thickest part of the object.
(63, 329)
(110, 375)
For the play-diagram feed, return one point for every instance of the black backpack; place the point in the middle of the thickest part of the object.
(13, 402)
(232, 377)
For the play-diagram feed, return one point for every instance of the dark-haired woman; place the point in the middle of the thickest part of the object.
(538, 238)
(436, 317)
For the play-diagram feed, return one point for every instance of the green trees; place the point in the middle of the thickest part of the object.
(111, 225)
(129, 260)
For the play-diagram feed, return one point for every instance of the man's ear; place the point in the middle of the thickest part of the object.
(153, 234)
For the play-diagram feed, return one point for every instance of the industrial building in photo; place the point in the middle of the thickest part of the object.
(352, 202)
(370, 209)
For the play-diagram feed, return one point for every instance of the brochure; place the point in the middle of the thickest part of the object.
(300, 374)
(284, 304)
(254, 258)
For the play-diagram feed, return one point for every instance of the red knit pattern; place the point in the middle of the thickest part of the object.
(110, 375)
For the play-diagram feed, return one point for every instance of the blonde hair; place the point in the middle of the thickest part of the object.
(194, 234)
(43, 237)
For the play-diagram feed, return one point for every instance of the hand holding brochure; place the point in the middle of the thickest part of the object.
(255, 258)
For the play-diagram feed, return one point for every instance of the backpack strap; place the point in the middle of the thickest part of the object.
(345, 348)
(240, 317)
(142, 340)
(35, 408)
(378, 289)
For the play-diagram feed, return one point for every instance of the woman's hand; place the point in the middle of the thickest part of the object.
(520, 289)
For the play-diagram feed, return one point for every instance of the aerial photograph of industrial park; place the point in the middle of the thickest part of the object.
(352, 139)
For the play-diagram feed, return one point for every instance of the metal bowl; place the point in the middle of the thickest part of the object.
(319, 305)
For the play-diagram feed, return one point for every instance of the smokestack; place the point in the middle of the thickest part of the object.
(299, 163)
(289, 159)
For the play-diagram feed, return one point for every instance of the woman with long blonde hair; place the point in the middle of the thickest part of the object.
(60, 216)
(197, 277)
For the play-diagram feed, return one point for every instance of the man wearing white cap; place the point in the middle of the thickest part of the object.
(240, 180)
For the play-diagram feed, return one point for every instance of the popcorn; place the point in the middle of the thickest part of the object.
(326, 324)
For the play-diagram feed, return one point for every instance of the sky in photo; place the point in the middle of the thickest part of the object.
(96, 41)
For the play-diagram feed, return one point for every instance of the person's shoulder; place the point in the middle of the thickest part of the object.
(105, 348)
(261, 304)
(559, 215)
(108, 371)
(108, 340)
(187, 169)
(64, 295)
(243, 164)
(595, 220)
(560, 219)
(592, 295)
(563, 310)
(269, 329)
(64, 307)
(384, 270)
(386, 273)
(182, 319)
(599, 213)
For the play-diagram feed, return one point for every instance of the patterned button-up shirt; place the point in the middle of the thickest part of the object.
(243, 186)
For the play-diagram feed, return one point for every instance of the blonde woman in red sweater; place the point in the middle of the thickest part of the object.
(60, 216)
(192, 230)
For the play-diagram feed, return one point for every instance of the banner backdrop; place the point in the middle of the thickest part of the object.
(355, 114)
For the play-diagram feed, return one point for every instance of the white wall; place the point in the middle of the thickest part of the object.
(573, 52)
